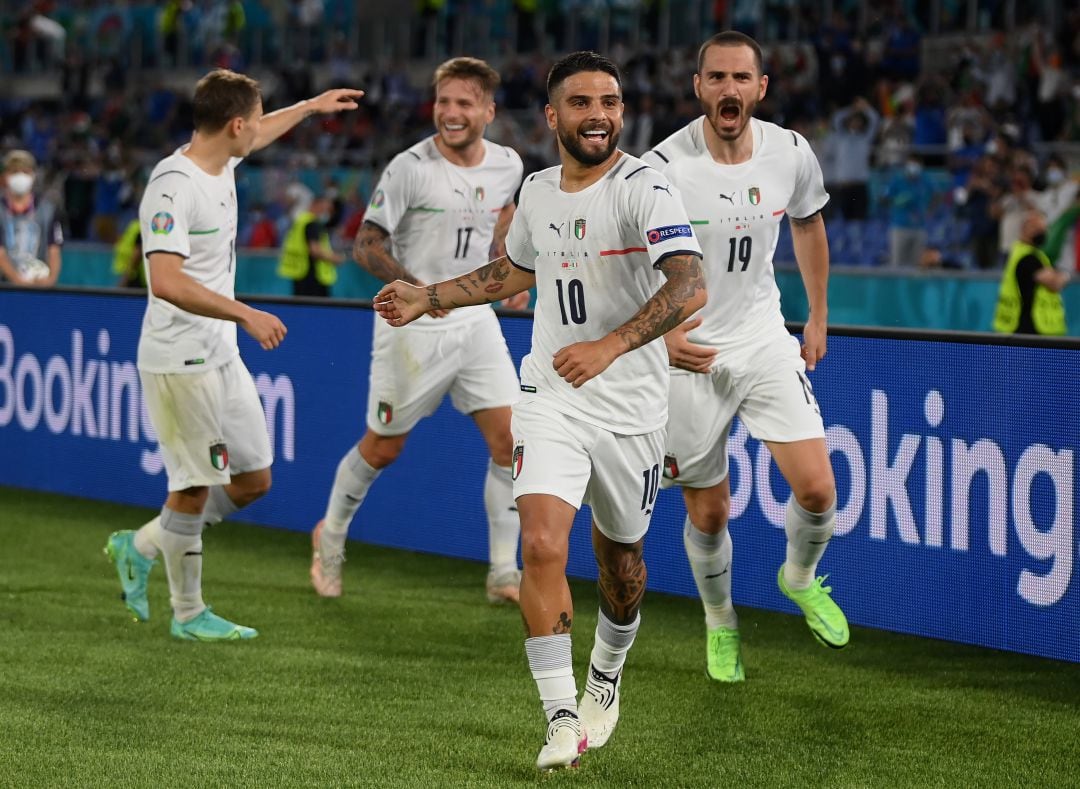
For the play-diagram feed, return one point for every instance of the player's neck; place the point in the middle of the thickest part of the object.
(208, 154)
(577, 176)
(472, 155)
(736, 151)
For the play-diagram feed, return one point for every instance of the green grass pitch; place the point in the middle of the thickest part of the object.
(413, 680)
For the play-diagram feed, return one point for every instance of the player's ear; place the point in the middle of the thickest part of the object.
(764, 86)
(697, 85)
(549, 113)
(489, 116)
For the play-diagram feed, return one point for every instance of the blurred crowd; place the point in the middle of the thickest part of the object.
(932, 146)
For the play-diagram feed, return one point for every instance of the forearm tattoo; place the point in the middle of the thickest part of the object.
(622, 586)
(371, 252)
(664, 311)
(486, 285)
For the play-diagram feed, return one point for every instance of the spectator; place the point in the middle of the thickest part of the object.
(850, 146)
(306, 256)
(263, 233)
(1058, 197)
(1012, 206)
(127, 257)
(910, 196)
(976, 201)
(1029, 300)
(32, 233)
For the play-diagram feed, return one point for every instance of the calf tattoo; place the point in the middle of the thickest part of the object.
(622, 586)
(563, 625)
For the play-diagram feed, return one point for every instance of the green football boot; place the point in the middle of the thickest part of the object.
(208, 626)
(824, 617)
(133, 569)
(725, 655)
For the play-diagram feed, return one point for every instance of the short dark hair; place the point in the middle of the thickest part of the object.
(576, 63)
(731, 38)
(468, 68)
(221, 96)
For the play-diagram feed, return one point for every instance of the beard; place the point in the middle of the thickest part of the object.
(720, 125)
(576, 148)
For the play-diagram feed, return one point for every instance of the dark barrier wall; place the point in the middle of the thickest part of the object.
(955, 462)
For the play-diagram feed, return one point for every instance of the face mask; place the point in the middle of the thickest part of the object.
(20, 183)
(1055, 176)
(1038, 239)
(913, 168)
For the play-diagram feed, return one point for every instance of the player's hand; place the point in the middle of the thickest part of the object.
(519, 301)
(815, 335)
(583, 361)
(688, 355)
(399, 302)
(336, 100)
(266, 329)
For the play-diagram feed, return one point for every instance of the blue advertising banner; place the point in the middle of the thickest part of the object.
(955, 463)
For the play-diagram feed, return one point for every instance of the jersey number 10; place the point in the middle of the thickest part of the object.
(574, 298)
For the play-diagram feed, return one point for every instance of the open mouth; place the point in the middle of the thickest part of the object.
(454, 127)
(595, 135)
(729, 112)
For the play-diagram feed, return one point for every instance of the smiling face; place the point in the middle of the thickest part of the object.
(587, 115)
(462, 111)
(729, 86)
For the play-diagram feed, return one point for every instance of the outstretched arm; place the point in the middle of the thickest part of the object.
(681, 296)
(400, 303)
(812, 255)
(276, 123)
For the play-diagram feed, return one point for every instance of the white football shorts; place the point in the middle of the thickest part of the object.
(412, 369)
(617, 475)
(210, 425)
(765, 384)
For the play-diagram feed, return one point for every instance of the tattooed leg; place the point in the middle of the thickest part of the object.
(546, 606)
(622, 577)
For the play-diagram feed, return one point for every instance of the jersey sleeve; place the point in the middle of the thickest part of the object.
(809, 196)
(657, 209)
(165, 215)
(654, 159)
(392, 195)
(519, 246)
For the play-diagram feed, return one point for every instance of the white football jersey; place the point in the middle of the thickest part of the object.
(736, 211)
(596, 254)
(441, 217)
(187, 211)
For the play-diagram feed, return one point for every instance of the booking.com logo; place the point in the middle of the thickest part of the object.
(79, 394)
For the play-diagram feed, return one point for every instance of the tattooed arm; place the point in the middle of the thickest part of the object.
(682, 295)
(371, 249)
(520, 300)
(401, 302)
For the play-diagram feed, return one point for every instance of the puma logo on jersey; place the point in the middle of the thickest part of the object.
(558, 230)
(169, 197)
(658, 188)
(459, 192)
(730, 198)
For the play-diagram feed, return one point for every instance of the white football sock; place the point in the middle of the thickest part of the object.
(710, 562)
(552, 666)
(611, 644)
(218, 506)
(352, 481)
(808, 536)
(181, 547)
(147, 539)
(504, 527)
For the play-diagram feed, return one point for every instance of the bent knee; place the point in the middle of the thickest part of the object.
(817, 496)
(539, 547)
(380, 451)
